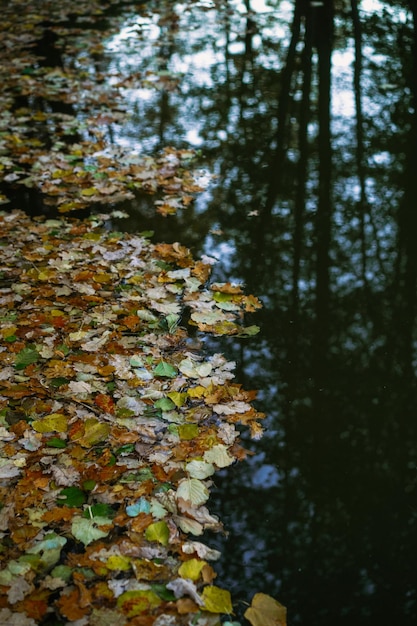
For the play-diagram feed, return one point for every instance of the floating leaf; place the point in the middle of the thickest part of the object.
(26, 357)
(141, 506)
(193, 490)
(218, 455)
(118, 562)
(100, 509)
(178, 398)
(217, 600)
(165, 369)
(138, 601)
(200, 469)
(187, 431)
(165, 404)
(158, 531)
(191, 569)
(88, 530)
(94, 432)
(266, 611)
(71, 496)
(53, 422)
(56, 442)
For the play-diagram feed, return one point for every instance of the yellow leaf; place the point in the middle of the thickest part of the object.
(53, 422)
(94, 431)
(90, 191)
(266, 611)
(118, 562)
(191, 569)
(217, 600)
(159, 532)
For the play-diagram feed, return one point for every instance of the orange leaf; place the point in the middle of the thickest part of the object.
(36, 605)
(105, 403)
(69, 607)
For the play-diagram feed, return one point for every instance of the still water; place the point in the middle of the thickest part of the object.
(304, 114)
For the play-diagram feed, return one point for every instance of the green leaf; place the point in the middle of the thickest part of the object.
(163, 592)
(165, 404)
(58, 382)
(72, 497)
(158, 531)
(165, 369)
(98, 510)
(87, 530)
(25, 357)
(56, 442)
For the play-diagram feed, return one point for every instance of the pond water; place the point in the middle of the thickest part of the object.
(306, 123)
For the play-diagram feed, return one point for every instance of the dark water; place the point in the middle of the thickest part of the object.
(306, 114)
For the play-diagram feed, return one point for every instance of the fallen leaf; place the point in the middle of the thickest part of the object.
(266, 611)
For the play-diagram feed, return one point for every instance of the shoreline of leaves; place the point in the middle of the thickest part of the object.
(112, 425)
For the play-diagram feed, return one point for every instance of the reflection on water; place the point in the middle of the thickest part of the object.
(306, 114)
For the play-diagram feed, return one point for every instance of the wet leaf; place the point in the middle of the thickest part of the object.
(217, 600)
(193, 490)
(89, 530)
(26, 357)
(191, 569)
(72, 497)
(266, 611)
(165, 369)
(139, 601)
(158, 531)
(53, 422)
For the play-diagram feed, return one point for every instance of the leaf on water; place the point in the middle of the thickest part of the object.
(219, 455)
(217, 600)
(191, 569)
(53, 422)
(94, 432)
(89, 530)
(200, 469)
(141, 506)
(138, 601)
(158, 531)
(193, 490)
(187, 432)
(26, 357)
(165, 369)
(266, 611)
(72, 497)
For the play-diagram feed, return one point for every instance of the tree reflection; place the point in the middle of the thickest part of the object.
(308, 120)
